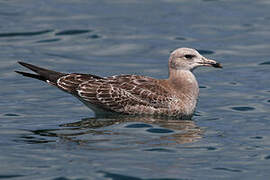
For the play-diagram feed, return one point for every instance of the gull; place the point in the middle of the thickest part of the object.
(176, 95)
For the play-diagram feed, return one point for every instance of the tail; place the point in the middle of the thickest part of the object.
(42, 74)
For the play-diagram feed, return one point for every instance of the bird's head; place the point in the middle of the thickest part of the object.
(189, 59)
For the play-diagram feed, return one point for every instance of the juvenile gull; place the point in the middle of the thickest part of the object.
(133, 94)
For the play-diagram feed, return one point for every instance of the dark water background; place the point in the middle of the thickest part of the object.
(47, 134)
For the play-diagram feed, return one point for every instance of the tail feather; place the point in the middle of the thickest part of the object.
(42, 74)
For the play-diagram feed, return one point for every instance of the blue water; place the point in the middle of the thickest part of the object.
(48, 134)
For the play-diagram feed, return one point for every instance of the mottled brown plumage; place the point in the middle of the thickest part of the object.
(133, 94)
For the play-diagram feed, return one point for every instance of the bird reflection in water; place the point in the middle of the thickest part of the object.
(121, 131)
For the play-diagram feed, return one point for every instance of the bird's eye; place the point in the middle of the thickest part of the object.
(189, 56)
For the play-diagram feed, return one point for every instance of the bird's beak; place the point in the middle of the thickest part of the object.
(210, 62)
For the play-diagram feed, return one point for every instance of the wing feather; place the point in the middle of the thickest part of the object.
(70, 82)
(117, 92)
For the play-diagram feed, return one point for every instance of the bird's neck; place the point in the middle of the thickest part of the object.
(184, 83)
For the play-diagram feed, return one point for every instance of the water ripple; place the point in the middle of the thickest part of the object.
(159, 130)
(180, 38)
(10, 176)
(256, 137)
(243, 108)
(33, 33)
(265, 63)
(115, 176)
(160, 150)
(11, 114)
(227, 169)
(94, 36)
(138, 126)
(72, 32)
(49, 40)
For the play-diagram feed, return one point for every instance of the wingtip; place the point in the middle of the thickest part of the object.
(31, 67)
(20, 72)
(22, 63)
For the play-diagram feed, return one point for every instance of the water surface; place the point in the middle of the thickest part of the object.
(48, 134)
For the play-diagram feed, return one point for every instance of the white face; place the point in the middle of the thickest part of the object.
(189, 59)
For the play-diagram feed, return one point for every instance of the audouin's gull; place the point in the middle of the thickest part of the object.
(134, 94)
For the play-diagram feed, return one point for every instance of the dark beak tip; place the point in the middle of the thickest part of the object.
(217, 65)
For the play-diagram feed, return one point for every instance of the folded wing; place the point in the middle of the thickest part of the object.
(117, 92)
